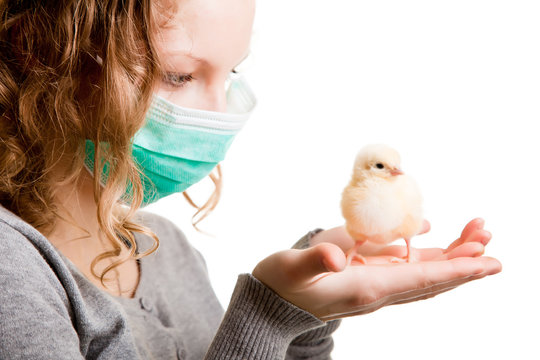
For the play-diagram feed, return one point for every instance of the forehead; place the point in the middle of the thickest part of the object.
(218, 31)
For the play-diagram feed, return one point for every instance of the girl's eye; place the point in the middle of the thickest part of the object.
(177, 79)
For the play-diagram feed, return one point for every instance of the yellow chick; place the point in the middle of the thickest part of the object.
(380, 203)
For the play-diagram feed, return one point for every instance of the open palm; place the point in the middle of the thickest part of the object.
(317, 280)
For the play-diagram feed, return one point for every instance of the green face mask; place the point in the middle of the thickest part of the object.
(178, 146)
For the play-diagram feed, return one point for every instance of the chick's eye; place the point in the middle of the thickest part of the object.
(379, 166)
(177, 79)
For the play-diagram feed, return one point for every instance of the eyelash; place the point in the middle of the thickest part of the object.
(178, 80)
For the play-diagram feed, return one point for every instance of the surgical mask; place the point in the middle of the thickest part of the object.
(177, 146)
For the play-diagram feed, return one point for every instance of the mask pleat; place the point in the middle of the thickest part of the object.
(175, 169)
(186, 143)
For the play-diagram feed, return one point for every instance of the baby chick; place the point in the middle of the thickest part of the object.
(380, 203)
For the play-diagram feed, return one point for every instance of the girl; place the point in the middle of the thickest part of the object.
(106, 106)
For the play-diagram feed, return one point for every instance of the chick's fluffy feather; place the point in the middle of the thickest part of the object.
(377, 206)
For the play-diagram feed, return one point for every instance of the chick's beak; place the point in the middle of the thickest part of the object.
(396, 171)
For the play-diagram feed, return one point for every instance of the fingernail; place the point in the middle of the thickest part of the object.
(479, 253)
(488, 237)
(333, 267)
(480, 223)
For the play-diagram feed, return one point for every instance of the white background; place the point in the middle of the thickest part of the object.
(455, 87)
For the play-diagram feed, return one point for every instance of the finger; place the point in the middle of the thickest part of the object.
(410, 282)
(438, 288)
(378, 260)
(392, 253)
(420, 254)
(480, 235)
(374, 307)
(460, 268)
(369, 248)
(475, 224)
(428, 254)
(468, 249)
(424, 296)
(426, 226)
(393, 250)
(425, 276)
(338, 236)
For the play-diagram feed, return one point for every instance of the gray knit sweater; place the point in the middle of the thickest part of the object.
(49, 310)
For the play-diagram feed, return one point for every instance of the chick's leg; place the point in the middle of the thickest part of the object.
(409, 257)
(353, 254)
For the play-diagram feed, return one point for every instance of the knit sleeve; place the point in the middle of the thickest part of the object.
(316, 344)
(258, 324)
(35, 321)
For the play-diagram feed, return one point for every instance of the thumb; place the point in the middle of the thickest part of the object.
(321, 258)
(292, 267)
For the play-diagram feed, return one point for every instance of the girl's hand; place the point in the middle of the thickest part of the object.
(317, 280)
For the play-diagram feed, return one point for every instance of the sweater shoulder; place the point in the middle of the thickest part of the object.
(22, 247)
(29, 260)
(164, 228)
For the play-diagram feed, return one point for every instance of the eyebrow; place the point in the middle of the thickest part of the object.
(189, 55)
(198, 59)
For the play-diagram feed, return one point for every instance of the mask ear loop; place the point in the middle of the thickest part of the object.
(229, 80)
(238, 71)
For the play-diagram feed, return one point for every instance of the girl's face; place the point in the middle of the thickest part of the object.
(199, 47)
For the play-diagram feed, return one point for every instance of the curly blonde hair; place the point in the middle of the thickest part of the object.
(73, 70)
